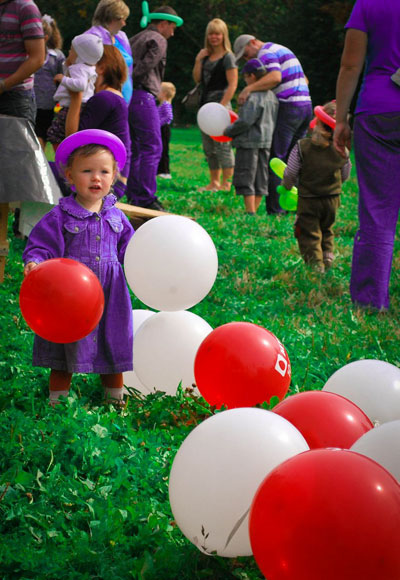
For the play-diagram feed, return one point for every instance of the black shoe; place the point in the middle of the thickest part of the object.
(156, 205)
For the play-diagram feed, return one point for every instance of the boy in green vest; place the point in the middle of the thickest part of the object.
(319, 171)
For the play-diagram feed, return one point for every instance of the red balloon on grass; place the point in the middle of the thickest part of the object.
(331, 421)
(241, 364)
(223, 138)
(327, 514)
(61, 300)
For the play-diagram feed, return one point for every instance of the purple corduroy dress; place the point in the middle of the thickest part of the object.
(99, 241)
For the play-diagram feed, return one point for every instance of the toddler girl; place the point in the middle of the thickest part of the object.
(168, 92)
(87, 227)
(80, 75)
(44, 86)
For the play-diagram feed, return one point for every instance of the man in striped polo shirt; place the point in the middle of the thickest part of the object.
(22, 52)
(287, 80)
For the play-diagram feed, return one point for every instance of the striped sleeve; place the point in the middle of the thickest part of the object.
(31, 21)
(291, 174)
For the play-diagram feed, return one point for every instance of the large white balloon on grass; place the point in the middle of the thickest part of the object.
(171, 263)
(373, 385)
(382, 444)
(213, 118)
(217, 471)
(165, 347)
(130, 377)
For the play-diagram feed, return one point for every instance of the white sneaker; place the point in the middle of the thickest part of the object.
(165, 175)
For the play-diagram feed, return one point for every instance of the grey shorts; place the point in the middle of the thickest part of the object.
(218, 155)
(251, 171)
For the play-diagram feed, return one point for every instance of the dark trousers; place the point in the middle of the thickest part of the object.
(163, 166)
(18, 104)
(376, 148)
(291, 125)
(313, 228)
(144, 125)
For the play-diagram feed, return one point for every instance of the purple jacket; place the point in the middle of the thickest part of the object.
(99, 241)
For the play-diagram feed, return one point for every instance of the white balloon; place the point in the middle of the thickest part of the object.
(130, 377)
(165, 347)
(382, 444)
(373, 385)
(171, 263)
(213, 119)
(218, 469)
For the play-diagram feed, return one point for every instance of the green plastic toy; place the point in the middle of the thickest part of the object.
(288, 198)
(149, 16)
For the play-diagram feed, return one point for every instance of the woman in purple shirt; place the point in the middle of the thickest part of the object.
(107, 108)
(373, 38)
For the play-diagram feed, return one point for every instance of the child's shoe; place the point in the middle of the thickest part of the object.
(55, 395)
(328, 258)
(114, 396)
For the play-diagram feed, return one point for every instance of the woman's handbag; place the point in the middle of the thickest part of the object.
(191, 100)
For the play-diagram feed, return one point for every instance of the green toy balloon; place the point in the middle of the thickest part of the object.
(288, 198)
(149, 16)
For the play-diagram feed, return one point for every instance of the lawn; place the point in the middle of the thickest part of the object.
(84, 488)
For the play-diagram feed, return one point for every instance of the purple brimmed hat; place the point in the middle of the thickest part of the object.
(253, 65)
(90, 137)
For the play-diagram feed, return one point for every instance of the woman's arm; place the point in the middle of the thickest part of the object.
(198, 65)
(352, 62)
(73, 115)
(232, 78)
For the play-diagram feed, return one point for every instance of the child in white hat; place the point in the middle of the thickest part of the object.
(79, 76)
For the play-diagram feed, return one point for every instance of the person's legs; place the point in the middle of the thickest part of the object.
(307, 231)
(163, 166)
(59, 384)
(291, 125)
(245, 175)
(210, 151)
(376, 146)
(328, 218)
(250, 203)
(227, 174)
(226, 160)
(113, 387)
(145, 131)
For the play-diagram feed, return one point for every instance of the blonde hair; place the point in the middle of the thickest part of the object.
(219, 26)
(52, 31)
(169, 90)
(109, 10)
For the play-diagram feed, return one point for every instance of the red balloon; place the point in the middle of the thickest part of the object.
(327, 514)
(222, 138)
(331, 421)
(61, 300)
(241, 364)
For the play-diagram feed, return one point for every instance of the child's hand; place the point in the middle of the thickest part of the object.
(58, 78)
(29, 266)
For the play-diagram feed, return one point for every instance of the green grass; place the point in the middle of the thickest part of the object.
(84, 488)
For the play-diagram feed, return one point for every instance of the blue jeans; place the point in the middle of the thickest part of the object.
(145, 129)
(291, 125)
(18, 104)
